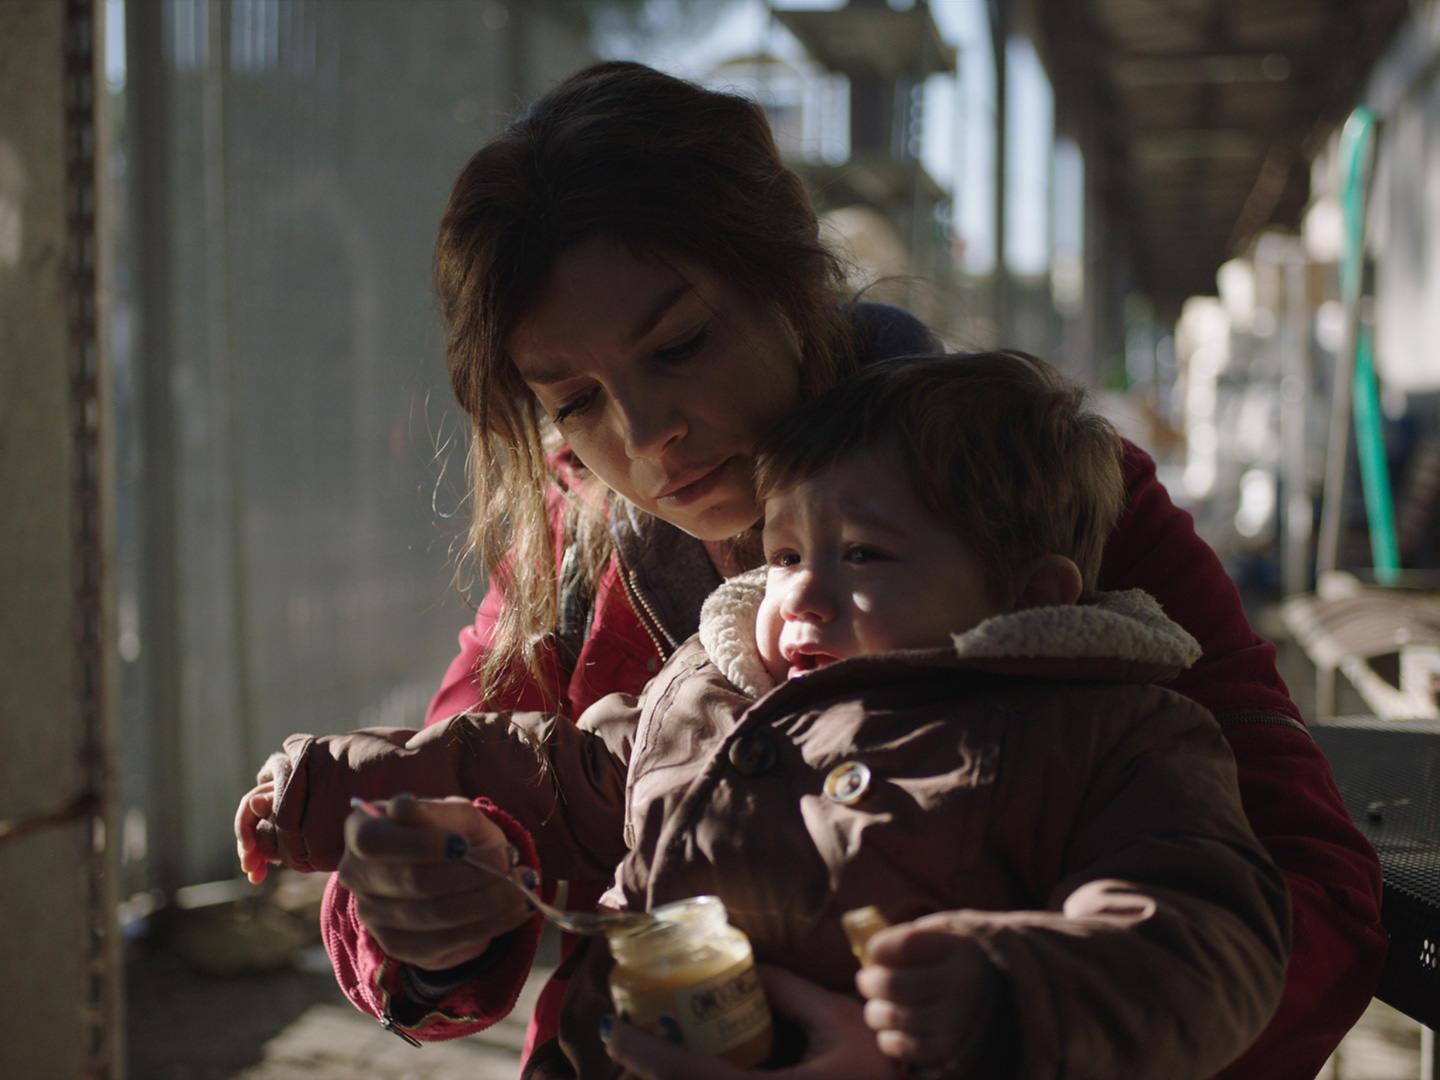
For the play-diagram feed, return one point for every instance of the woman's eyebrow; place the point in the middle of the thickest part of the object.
(658, 310)
(539, 375)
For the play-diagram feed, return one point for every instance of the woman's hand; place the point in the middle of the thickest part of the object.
(421, 903)
(930, 991)
(838, 1045)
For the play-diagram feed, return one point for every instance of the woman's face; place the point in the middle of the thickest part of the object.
(661, 376)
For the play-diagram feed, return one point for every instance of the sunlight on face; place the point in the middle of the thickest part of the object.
(857, 566)
(661, 376)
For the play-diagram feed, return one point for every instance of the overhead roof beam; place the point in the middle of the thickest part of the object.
(1200, 69)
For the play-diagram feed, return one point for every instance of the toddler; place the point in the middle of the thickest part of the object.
(918, 704)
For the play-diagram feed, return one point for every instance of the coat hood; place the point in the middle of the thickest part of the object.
(1127, 628)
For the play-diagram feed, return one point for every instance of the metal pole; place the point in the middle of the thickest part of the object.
(148, 89)
(93, 539)
(222, 359)
(999, 36)
(1297, 513)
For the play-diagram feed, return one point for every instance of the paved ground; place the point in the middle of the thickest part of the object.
(295, 1025)
(335, 1042)
(289, 1024)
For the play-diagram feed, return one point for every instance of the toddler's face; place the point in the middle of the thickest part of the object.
(857, 565)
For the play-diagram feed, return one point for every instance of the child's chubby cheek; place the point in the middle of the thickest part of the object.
(768, 625)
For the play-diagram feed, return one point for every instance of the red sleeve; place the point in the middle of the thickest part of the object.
(1155, 548)
(1286, 785)
(371, 980)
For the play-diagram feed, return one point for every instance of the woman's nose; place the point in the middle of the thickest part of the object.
(651, 424)
(809, 598)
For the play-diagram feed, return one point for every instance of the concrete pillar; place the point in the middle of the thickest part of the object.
(58, 949)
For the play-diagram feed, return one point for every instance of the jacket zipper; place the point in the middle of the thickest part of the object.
(645, 613)
(390, 1024)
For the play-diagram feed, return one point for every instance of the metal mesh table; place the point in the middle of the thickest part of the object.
(1388, 773)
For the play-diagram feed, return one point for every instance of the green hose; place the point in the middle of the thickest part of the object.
(1355, 157)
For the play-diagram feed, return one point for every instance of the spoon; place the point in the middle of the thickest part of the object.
(577, 922)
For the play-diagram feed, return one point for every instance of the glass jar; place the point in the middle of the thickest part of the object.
(690, 977)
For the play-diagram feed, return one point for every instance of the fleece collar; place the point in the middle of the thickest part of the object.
(1124, 626)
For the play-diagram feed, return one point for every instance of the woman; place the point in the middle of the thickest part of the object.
(635, 289)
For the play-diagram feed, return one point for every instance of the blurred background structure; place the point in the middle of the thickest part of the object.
(234, 473)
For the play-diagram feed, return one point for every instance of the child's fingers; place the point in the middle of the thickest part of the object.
(245, 821)
(256, 872)
(914, 963)
(928, 998)
(901, 1045)
(931, 1019)
(255, 806)
(914, 944)
(905, 986)
(926, 1032)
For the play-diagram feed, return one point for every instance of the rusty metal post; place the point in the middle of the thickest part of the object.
(60, 953)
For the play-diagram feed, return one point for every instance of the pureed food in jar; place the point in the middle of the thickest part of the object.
(690, 977)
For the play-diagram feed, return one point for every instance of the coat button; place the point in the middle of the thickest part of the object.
(753, 753)
(847, 784)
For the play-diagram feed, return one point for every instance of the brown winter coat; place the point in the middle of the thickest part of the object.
(1086, 823)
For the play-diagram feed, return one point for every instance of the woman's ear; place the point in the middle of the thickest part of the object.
(1049, 581)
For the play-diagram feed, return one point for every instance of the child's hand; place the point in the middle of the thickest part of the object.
(837, 1043)
(255, 807)
(929, 991)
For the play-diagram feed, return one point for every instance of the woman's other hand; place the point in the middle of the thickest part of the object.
(838, 1044)
(929, 991)
(421, 903)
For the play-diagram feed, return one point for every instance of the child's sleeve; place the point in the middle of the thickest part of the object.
(520, 761)
(1162, 950)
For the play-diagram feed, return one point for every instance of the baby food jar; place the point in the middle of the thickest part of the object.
(690, 977)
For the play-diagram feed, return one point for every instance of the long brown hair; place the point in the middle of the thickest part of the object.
(668, 169)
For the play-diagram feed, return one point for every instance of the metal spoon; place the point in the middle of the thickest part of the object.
(577, 922)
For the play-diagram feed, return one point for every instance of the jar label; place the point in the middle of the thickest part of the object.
(710, 1017)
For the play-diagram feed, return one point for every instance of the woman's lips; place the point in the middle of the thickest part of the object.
(692, 487)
